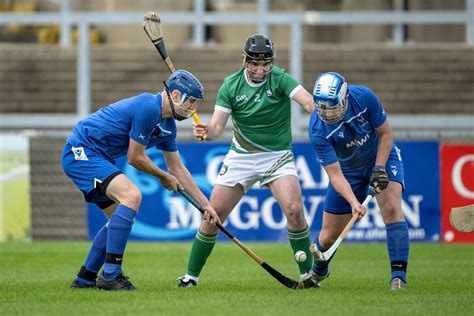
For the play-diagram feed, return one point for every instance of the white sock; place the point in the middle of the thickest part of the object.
(190, 277)
(303, 276)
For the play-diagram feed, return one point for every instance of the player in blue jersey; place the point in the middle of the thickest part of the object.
(127, 128)
(352, 139)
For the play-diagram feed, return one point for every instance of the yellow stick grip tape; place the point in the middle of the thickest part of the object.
(198, 121)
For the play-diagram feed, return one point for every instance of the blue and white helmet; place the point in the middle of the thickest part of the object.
(329, 95)
(190, 89)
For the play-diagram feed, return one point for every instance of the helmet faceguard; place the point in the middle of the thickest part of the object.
(258, 57)
(191, 94)
(330, 96)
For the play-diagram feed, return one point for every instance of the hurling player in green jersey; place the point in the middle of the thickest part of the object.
(258, 99)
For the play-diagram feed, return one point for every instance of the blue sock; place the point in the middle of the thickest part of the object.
(96, 256)
(398, 245)
(95, 259)
(321, 267)
(120, 225)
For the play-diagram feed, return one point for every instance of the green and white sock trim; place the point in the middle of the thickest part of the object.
(210, 239)
(298, 234)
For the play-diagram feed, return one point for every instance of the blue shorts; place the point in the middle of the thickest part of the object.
(359, 181)
(91, 172)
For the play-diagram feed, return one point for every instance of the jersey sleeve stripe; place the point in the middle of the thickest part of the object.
(223, 109)
(296, 89)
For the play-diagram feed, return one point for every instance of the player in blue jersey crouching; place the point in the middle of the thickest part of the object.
(353, 141)
(127, 128)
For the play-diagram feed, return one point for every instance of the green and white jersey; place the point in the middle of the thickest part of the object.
(261, 112)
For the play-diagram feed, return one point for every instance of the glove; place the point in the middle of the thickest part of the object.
(379, 178)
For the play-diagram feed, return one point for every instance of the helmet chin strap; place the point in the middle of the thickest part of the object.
(177, 116)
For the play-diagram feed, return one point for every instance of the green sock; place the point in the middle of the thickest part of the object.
(299, 240)
(201, 250)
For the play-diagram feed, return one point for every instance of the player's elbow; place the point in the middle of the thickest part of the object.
(134, 160)
(214, 131)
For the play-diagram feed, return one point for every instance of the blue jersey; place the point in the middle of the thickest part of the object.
(352, 140)
(108, 131)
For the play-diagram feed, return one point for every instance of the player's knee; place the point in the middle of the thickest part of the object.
(132, 197)
(294, 214)
(136, 197)
(392, 212)
(326, 240)
(392, 208)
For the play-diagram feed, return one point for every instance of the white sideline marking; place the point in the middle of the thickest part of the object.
(14, 173)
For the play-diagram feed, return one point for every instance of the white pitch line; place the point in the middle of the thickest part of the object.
(14, 173)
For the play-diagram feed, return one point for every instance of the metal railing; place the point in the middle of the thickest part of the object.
(199, 18)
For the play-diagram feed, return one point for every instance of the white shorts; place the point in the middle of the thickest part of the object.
(247, 169)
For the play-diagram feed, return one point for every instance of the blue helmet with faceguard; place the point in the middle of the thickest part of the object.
(190, 89)
(329, 95)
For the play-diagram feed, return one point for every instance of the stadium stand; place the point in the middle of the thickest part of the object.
(417, 79)
(57, 209)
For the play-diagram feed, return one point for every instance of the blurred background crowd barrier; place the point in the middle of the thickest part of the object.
(61, 60)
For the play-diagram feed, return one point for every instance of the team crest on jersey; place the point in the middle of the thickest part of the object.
(362, 121)
(394, 169)
(79, 153)
(341, 134)
(223, 170)
(269, 93)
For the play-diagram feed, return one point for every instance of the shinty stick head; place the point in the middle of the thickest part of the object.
(462, 218)
(152, 26)
(317, 255)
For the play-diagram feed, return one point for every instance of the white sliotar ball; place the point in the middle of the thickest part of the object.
(300, 256)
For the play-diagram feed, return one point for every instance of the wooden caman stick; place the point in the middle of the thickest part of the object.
(462, 218)
(286, 281)
(328, 253)
(152, 27)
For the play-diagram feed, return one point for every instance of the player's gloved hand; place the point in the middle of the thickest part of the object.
(379, 179)
(199, 130)
(171, 183)
(210, 215)
(358, 208)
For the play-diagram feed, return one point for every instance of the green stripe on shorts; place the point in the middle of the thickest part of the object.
(287, 158)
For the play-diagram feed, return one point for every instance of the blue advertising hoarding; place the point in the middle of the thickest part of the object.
(166, 216)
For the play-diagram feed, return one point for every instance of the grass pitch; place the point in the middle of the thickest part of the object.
(35, 278)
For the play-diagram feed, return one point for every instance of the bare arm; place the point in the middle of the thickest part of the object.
(177, 169)
(138, 158)
(214, 128)
(342, 186)
(385, 143)
(305, 99)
